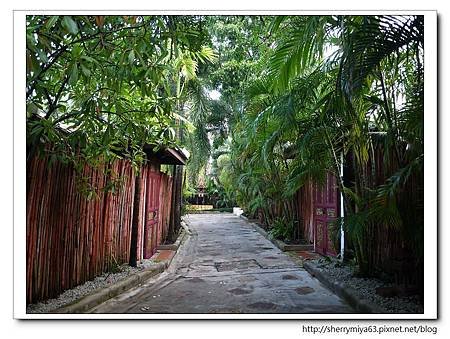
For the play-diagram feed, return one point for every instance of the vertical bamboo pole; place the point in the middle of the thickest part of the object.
(135, 222)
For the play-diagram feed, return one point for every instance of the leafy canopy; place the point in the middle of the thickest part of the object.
(99, 87)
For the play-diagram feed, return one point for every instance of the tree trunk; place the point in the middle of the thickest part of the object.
(171, 229)
(178, 199)
(135, 222)
(175, 215)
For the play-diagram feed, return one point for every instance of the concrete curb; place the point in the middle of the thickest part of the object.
(176, 244)
(185, 225)
(278, 243)
(89, 301)
(243, 217)
(360, 305)
(208, 212)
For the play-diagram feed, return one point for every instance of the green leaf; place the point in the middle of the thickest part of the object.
(42, 56)
(51, 21)
(190, 126)
(37, 130)
(73, 74)
(131, 57)
(69, 24)
(85, 71)
(88, 59)
(44, 41)
(141, 60)
(31, 42)
(32, 108)
(76, 51)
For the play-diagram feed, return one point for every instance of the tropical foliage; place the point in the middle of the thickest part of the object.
(114, 82)
(315, 93)
(298, 97)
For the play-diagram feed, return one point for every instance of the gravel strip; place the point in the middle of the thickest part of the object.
(365, 288)
(102, 281)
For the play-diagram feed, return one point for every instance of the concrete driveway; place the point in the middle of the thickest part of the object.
(228, 267)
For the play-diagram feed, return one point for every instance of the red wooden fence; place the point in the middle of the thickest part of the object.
(70, 238)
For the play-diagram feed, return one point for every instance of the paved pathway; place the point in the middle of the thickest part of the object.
(227, 267)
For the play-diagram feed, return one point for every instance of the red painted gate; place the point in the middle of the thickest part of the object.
(326, 202)
(152, 211)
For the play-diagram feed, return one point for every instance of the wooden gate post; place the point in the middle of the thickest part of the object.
(135, 222)
(175, 213)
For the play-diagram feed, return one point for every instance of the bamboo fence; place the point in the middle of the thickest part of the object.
(72, 238)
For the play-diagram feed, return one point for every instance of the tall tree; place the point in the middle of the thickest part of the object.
(333, 84)
(104, 78)
(101, 87)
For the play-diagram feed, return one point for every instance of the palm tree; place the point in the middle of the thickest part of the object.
(340, 84)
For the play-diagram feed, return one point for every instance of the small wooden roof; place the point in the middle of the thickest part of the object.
(167, 156)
